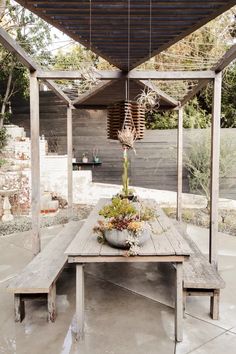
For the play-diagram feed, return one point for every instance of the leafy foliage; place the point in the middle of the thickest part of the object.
(119, 208)
(34, 35)
(197, 162)
(228, 118)
(3, 138)
(194, 117)
(124, 215)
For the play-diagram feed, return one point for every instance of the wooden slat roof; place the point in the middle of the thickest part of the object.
(170, 21)
(114, 91)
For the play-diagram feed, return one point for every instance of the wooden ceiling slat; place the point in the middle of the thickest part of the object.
(122, 2)
(117, 16)
(115, 21)
(98, 13)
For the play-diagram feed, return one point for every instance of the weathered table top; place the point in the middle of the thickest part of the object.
(165, 242)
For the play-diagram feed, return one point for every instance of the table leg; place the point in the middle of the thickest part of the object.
(79, 300)
(179, 303)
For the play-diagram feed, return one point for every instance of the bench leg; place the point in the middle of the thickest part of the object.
(184, 302)
(79, 301)
(179, 303)
(19, 307)
(52, 303)
(214, 305)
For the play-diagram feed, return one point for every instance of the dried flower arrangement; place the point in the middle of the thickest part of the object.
(125, 224)
(127, 137)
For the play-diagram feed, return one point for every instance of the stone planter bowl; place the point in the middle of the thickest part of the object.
(118, 238)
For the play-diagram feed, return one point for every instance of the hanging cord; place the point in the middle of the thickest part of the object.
(127, 135)
(149, 98)
(90, 24)
(128, 49)
(150, 32)
(150, 29)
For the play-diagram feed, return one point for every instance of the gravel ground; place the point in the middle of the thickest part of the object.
(200, 217)
(23, 223)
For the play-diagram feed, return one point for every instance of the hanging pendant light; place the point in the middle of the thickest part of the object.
(127, 116)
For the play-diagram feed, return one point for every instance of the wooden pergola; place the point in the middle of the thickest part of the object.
(171, 21)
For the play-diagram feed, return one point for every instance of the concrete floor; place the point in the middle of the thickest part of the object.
(128, 307)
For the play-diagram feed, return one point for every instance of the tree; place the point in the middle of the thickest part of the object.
(2, 8)
(33, 34)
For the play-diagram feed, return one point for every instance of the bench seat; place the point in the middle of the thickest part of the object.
(201, 278)
(41, 274)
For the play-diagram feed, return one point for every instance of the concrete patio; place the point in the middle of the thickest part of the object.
(128, 307)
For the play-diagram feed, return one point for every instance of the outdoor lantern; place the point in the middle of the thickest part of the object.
(125, 114)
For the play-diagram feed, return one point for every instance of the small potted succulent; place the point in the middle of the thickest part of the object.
(125, 224)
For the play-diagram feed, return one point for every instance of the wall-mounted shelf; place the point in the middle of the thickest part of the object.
(78, 165)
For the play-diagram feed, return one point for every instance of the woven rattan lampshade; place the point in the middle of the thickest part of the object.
(130, 111)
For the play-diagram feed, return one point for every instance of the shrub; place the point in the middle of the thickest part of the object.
(197, 162)
(3, 138)
(194, 117)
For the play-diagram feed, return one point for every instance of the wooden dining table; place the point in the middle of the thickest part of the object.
(165, 245)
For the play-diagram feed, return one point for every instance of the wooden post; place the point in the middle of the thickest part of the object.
(35, 162)
(179, 303)
(52, 303)
(79, 301)
(215, 157)
(69, 161)
(179, 164)
(214, 304)
(19, 306)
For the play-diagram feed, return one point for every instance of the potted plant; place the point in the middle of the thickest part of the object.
(96, 158)
(125, 224)
(84, 158)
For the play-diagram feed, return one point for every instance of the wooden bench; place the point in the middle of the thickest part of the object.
(40, 275)
(200, 276)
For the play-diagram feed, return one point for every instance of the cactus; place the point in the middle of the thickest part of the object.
(125, 177)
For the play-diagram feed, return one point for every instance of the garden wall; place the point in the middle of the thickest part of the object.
(153, 165)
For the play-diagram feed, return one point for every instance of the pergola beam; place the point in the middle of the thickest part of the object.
(92, 92)
(69, 161)
(179, 164)
(133, 74)
(58, 91)
(35, 163)
(227, 58)
(215, 158)
(10, 44)
(194, 91)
